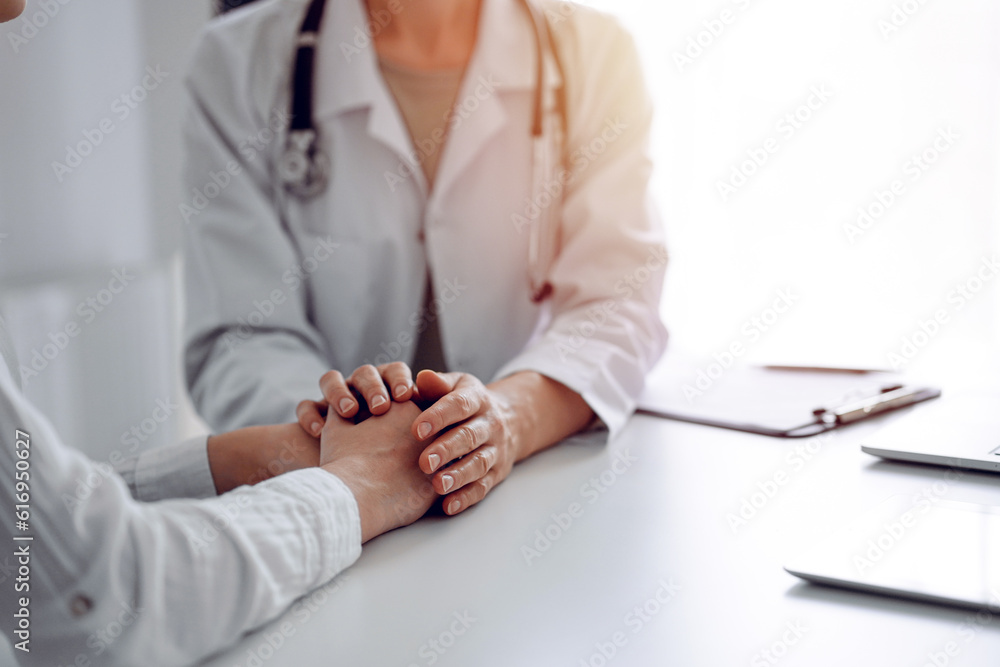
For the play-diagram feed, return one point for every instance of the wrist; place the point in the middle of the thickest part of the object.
(516, 397)
(370, 522)
(543, 411)
(221, 462)
(257, 453)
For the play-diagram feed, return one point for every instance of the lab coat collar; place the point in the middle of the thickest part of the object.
(504, 54)
(347, 64)
(503, 59)
(505, 46)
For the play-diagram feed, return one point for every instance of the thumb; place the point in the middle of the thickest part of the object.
(433, 385)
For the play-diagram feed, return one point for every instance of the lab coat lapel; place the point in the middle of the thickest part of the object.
(503, 60)
(348, 70)
(478, 115)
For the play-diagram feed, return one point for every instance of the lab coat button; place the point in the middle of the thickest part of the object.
(80, 605)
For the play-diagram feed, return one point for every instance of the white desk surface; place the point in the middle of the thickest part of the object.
(664, 519)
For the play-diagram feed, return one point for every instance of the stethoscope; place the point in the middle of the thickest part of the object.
(304, 168)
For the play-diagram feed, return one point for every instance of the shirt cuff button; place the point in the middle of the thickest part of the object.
(80, 605)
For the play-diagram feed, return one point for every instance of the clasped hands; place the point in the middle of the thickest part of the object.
(465, 440)
(441, 436)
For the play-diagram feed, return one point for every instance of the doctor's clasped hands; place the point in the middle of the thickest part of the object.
(472, 434)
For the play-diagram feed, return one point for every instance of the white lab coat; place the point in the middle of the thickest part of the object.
(270, 310)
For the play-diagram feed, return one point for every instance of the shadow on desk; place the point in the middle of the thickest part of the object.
(882, 603)
(932, 473)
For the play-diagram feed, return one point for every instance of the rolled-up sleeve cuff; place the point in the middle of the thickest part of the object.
(174, 471)
(338, 520)
(611, 405)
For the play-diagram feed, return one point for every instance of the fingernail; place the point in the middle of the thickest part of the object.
(423, 430)
(316, 428)
(399, 390)
(453, 506)
(378, 400)
(345, 405)
(446, 483)
(434, 460)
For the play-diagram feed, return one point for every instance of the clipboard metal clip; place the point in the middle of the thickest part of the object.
(888, 398)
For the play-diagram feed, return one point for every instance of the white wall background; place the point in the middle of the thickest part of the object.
(62, 75)
(892, 89)
(783, 229)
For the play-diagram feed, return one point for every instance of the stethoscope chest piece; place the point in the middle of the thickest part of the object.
(304, 168)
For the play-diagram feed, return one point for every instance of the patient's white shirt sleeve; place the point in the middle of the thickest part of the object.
(189, 576)
(174, 471)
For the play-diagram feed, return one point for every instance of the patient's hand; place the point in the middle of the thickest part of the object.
(377, 460)
(253, 454)
(366, 391)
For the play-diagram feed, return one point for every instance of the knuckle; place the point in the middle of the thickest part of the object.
(331, 378)
(396, 367)
(467, 436)
(363, 373)
(483, 460)
(499, 424)
(463, 402)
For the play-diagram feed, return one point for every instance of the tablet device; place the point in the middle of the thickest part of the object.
(961, 431)
(921, 547)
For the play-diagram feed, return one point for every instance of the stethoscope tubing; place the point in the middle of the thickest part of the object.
(304, 168)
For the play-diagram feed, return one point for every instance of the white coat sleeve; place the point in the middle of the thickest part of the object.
(250, 351)
(121, 582)
(606, 332)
